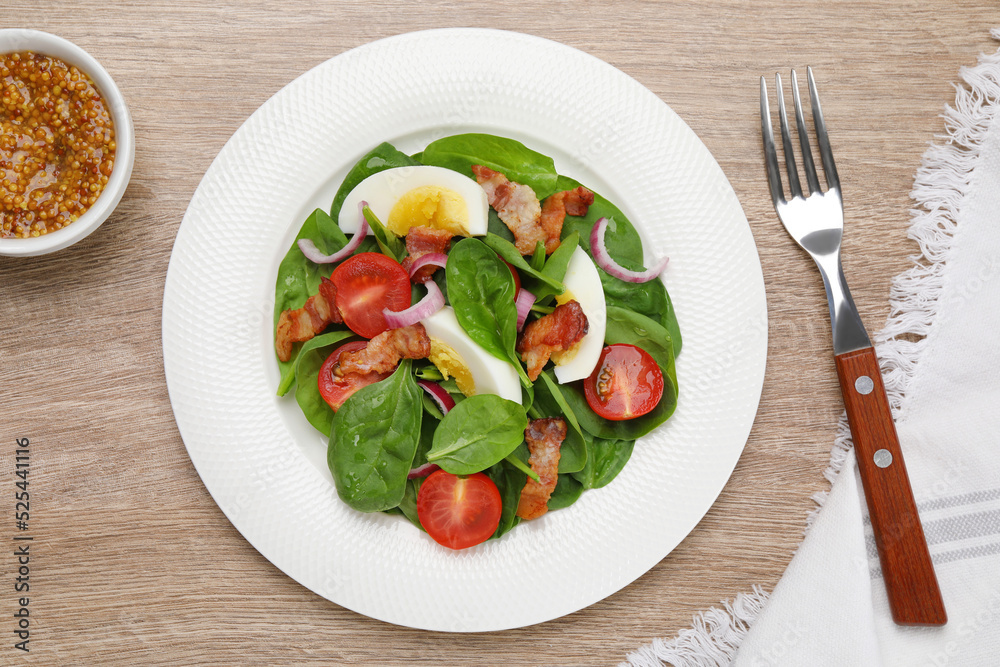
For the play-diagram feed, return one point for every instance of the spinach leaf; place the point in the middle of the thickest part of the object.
(382, 157)
(478, 433)
(509, 252)
(298, 278)
(605, 459)
(481, 289)
(509, 481)
(567, 492)
(311, 357)
(549, 402)
(556, 265)
(390, 244)
(650, 299)
(374, 440)
(537, 258)
(625, 326)
(511, 158)
(625, 246)
(408, 505)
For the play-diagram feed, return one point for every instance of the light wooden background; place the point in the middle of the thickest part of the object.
(133, 562)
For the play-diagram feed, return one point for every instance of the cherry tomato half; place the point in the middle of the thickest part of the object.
(626, 383)
(336, 389)
(367, 283)
(459, 512)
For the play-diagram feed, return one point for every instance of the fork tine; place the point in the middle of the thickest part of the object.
(786, 143)
(832, 179)
(800, 124)
(770, 156)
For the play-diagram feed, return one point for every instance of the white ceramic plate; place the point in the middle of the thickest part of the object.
(265, 466)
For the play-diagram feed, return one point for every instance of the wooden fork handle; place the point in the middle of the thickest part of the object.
(914, 596)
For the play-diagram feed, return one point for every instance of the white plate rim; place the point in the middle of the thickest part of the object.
(389, 571)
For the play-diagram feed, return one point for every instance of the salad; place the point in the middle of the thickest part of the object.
(475, 333)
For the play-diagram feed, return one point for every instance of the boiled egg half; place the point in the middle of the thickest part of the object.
(422, 195)
(583, 284)
(475, 370)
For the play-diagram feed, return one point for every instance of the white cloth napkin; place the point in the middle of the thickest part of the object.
(830, 607)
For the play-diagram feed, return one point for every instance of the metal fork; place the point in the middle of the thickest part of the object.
(815, 219)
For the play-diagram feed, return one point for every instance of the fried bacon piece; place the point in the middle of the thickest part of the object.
(517, 206)
(297, 326)
(385, 350)
(421, 241)
(550, 334)
(544, 437)
(556, 207)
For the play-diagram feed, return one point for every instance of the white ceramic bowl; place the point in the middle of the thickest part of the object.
(12, 40)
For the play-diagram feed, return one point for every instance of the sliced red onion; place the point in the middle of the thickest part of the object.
(441, 398)
(524, 301)
(435, 258)
(422, 471)
(430, 304)
(612, 267)
(313, 254)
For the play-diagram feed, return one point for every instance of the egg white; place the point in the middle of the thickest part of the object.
(383, 189)
(490, 375)
(583, 283)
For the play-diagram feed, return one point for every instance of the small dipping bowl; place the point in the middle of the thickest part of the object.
(43, 43)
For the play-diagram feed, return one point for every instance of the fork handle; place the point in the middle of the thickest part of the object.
(912, 587)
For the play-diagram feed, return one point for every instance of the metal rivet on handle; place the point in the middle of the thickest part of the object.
(883, 457)
(864, 385)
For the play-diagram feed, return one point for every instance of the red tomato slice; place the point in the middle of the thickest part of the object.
(459, 512)
(366, 284)
(336, 389)
(626, 383)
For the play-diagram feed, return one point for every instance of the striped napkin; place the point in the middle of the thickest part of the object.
(830, 607)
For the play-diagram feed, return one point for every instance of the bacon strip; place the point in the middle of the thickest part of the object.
(421, 241)
(297, 326)
(385, 350)
(556, 207)
(544, 438)
(517, 206)
(550, 334)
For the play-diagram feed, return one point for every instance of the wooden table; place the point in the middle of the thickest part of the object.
(133, 562)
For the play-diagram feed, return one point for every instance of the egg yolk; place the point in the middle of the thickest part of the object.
(429, 206)
(565, 297)
(450, 363)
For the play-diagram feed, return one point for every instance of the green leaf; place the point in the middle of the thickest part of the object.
(567, 492)
(509, 252)
(555, 267)
(374, 440)
(390, 244)
(481, 290)
(408, 505)
(299, 278)
(478, 433)
(382, 157)
(605, 459)
(311, 357)
(550, 402)
(510, 481)
(511, 158)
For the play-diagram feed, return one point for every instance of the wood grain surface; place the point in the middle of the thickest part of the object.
(132, 561)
